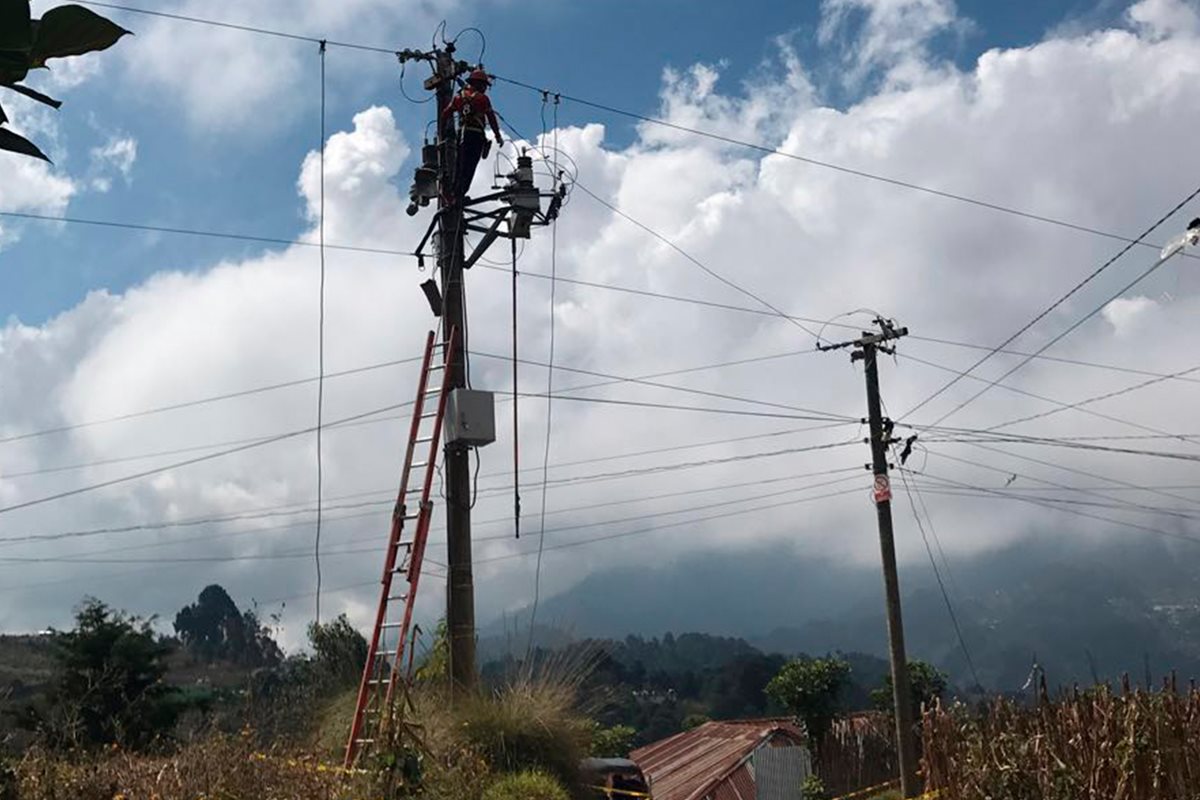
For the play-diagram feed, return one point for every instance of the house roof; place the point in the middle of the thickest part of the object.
(689, 765)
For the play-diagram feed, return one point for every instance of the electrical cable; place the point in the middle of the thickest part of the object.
(656, 121)
(572, 281)
(320, 351)
(1042, 315)
(937, 574)
(516, 388)
(671, 244)
(202, 401)
(135, 226)
(836, 167)
(1097, 399)
(537, 572)
(188, 462)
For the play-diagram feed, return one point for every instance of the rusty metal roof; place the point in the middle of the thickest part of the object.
(692, 764)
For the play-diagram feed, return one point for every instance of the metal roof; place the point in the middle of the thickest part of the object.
(693, 764)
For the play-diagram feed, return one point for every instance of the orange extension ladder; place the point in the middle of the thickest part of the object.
(393, 620)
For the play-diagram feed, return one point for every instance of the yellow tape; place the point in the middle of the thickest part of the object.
(880, 787)
(622, 792)
(868, 790)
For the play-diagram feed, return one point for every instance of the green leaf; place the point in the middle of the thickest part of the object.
(71, 31)
(15, 29)
(19, 144)
(33, 94)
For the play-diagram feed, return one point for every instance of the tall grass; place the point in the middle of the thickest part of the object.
(1123, 745)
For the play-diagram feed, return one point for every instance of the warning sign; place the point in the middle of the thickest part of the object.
(883, 489)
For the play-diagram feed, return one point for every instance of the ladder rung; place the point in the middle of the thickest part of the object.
(378, 682)
(422, 439)
(432, 367)
(384, 653)
(430, 415)
(392, 624)
(418, 465)
(364, 741)
(397, 597)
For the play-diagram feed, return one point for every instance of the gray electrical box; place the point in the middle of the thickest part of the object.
(470, 418)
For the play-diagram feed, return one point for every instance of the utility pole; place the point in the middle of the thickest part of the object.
(866, 349)
(510, 211)
(460, 585)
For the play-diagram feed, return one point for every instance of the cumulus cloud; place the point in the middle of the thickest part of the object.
(1049, 127)
(224, 79)
(116, 156)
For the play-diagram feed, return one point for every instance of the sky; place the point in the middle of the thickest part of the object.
(1080, 112)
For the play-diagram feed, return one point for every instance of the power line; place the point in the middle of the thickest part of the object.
(135, 226)
(320, 350)
(1042, 315)
(1048, 504)
(836, 167)
(1097, 399)
(653, 120)
(576, 282)
(1059, 405)
(187, 462)
(537, 571)
(238, 27)
(937, 574)
(204, 400)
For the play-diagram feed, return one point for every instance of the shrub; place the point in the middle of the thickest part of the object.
(526, 786)
(528, 725)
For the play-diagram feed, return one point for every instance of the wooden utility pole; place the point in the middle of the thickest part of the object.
(460, 586)
(866, 350)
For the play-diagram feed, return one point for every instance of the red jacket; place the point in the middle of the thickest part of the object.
(473, 108)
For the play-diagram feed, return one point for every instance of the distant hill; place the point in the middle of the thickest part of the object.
(1085, 611)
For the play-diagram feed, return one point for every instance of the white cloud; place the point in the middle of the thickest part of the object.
(118, 156)
(1162, 18)
(1124, 313)
(1050, 127)
(229, 80)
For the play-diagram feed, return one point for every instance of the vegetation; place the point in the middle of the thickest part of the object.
(809, 689)
(526, 785)
(928, 684)
(1126, 745)
(109, 688)
(213, 629)
(27, 44)
(614, 742)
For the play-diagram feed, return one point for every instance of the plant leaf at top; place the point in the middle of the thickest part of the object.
(15, 32)
(33, 94)
(19, 144)
(71, 31)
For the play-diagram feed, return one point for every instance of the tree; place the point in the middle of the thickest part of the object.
(27, 44)
(614, 742)
(213, 628)
(927, 681)
(808, 688)
(340, 651)
(110, 686)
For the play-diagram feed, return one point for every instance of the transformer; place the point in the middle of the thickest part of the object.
(470, 418)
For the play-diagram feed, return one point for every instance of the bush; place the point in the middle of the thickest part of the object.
(526, 786)
(528, 725)
(109, 687)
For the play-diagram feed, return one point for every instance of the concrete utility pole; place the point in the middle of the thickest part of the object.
(460, 586)
(866, 350)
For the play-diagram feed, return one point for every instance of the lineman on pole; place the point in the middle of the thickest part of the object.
(474, 108)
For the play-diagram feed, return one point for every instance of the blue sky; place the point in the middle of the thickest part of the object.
(244, 181)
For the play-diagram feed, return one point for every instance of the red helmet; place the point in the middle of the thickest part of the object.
(479, 78)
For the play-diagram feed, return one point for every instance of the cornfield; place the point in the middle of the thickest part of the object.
(1130, 744)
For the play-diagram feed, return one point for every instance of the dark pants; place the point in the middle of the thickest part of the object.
(470, 149)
